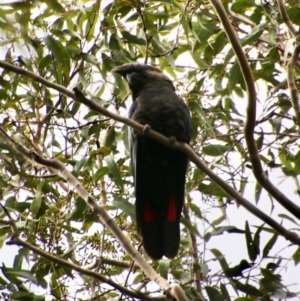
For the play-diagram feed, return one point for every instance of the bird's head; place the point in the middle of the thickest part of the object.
(141, 77)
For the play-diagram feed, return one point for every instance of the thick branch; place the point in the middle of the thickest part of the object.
(156, 136)
(292, 84)
(285, 18)
(251, 115)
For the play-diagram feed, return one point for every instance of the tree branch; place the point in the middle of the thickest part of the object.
(147, 38)
(285, 18)
(197, 274)
(250, 124)
(292, 84)
(160, 138)
(58, 168)
(16, 240)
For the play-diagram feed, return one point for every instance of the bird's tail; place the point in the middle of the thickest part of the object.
(161, 235)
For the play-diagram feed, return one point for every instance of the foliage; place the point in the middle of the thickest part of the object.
(77, 44)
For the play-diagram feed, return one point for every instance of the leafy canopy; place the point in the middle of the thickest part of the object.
(62, 246)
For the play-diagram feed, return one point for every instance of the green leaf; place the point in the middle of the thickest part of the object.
(213, 294)
(276, 124)
(200, 62)
(76, 106)
(241, 5)
(215, 150)
(92, 21)
(220, 230)
(36, 203)
(164, 268)
(128, 37)
(247, 288)
(297, 163)
(62, 58)
(237, 271)
(212, 189)
(172, 2)
(253, 36)
(18, 261)
(221, 259)
(269, 245)
(235, 76)
(78, 212)
(220, 218)
(220, 42)
(260, 141)
(21, 273)
(111, 164)
(252, 251)
(101, 172)
(125, 206)
(81, 165)
(224, 292)
(296, 256)
(258, 190)
(195, 209)
(204, 121)
(287, 217)
(111, 139)
(181, 275)
(289, 173)
(196, 267)
(272, 36)
(55, 5)
(270, 275)
(72, 33)
(286, 158)
(25, 296)
(104, 151)
(188, 224)
(270, 286)
(55, 287)
(256, 239)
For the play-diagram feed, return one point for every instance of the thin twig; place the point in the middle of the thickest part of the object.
(148, 38)
(197, 274)
(126, 264)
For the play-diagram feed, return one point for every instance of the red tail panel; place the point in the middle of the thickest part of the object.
(171, 217)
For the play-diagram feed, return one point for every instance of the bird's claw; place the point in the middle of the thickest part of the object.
(146, 128)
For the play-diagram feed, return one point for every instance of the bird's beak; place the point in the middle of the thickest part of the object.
(120, 70)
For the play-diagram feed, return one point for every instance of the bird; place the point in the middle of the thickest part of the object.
(159, 171)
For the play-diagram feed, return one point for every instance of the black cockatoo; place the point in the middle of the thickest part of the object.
(158, 171)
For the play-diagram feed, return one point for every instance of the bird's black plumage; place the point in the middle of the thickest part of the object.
(159, 171)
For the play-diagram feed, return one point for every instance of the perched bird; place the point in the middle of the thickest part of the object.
(158, 171)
